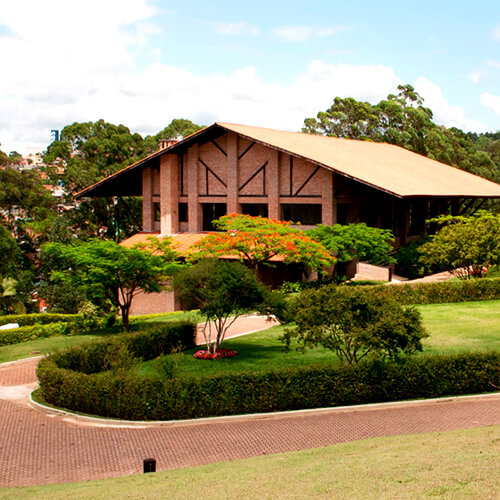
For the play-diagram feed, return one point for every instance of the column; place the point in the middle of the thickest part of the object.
(194, 209)
(273, 195)
(169, 194)
(147, 200)
(232, 174)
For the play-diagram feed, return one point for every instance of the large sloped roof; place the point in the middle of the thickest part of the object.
(386, 167)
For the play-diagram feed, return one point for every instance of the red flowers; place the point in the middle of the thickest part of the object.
(219, 354)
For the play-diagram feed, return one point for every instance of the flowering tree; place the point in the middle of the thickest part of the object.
(257, 240)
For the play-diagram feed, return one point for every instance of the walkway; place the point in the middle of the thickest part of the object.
(37, 447)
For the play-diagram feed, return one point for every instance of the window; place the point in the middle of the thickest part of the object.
(183, 212)
(157, 212)
(211, 212)
(306, 214)
(255, 209)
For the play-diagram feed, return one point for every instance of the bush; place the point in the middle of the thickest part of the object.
(33, 319)
(162, 339)
(439, 292)
(27, 333)
(355, 324)
(134, 397)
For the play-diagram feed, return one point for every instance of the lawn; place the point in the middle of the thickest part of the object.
(452, 465)
(47, 345)
(453, 328)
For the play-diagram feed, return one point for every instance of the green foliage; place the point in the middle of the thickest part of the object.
(178, 127)
(467, 246)
(106, 272)
(129, 396)
(402, 120)
(27, 333)
(257, 240)
(408, 260)
(162, 339)
(34, 319)
(355, 324)
(356, 241)
(435, 293)
(222, 291)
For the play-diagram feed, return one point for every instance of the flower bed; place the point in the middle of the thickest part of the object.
(219, 354)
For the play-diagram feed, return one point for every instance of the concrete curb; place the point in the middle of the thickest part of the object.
(104, 422)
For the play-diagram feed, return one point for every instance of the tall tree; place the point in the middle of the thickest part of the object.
(403, 120)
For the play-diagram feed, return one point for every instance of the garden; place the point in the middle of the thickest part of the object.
(152, 374)
(336, 344)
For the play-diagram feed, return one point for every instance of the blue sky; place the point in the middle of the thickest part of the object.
(144, 62)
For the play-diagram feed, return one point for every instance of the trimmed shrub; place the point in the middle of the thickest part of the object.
(131, 396)
(438, 293)
(33, 319)
(162, 339)
(27, 333)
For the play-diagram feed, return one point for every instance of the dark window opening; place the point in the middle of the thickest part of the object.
(211, 212)
(342, 211)
(157, 212)
(255, 209)
(307, 214)
(183, 212)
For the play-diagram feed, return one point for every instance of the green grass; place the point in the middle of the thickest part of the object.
(47, 345)
(463, 326)
(452, 465)
(257, 352)
(453, 328)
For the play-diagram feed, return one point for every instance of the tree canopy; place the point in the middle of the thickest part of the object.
(403, 120)
(355, 324)
(257, 240)
(466, 245)
(356, 241)
(222, 291)
(106, 271)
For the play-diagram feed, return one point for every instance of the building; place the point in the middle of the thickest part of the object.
(311, 179)
(306, 178)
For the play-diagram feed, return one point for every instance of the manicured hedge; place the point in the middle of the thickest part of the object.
(27, 333)
(439, 292)
(129, 396)
(162, 338)
(34, 319)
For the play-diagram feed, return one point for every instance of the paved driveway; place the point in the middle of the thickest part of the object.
(37, 447)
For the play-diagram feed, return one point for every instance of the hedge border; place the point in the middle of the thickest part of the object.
(132, 397)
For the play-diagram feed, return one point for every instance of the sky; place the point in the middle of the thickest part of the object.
(142, 63)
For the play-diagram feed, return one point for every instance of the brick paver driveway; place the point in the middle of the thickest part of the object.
(37, 447)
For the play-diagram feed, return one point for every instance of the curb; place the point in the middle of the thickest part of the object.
(104, 422)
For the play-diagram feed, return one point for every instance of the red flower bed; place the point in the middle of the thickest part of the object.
(219, 354)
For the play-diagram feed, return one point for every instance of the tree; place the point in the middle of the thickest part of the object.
(403, 120)
(107, 271)
(467, 246)
(257, 240)
(354, 324)
(222, 291)
(178, 127)
(356, 241)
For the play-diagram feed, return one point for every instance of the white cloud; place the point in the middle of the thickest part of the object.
(477, 76)
(491, 101)
(240, 28)
(495, 33)
(302, 33)
(444, 113)
(493, 64)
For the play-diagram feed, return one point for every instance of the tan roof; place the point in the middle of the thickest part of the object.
(383, 166)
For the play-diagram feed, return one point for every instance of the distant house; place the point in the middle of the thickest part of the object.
(311, 179)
